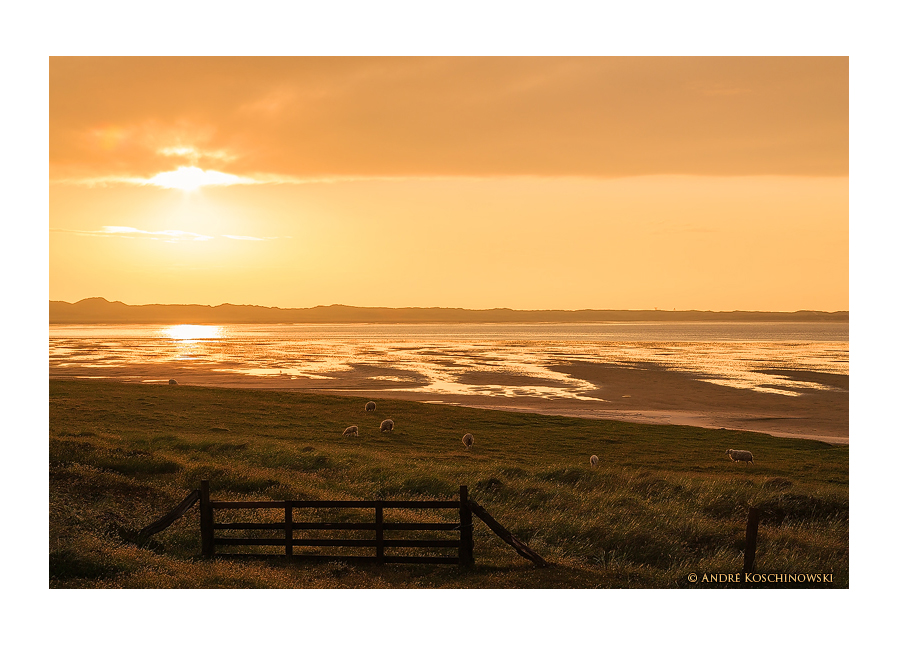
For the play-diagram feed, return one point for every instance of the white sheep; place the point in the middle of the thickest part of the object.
(740, 456)
(351, 430)
(370, 406)
(387, 425)
(594, 460)
(468, 440)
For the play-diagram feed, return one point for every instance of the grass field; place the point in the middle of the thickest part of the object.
(663, 503)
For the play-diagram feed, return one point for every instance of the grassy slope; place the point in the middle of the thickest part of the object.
(664, 502)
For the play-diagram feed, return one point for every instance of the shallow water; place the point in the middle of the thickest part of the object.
(500, 360)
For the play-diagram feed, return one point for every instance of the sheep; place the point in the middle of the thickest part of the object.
(351, 430)
(594, 460)
(387, 425)
(468, 440)
(370, 406)
(740, 456)
(172, 382)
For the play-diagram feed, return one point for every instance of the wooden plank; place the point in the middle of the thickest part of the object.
(300, 557)
(506, 535)
(423, 526)
(271, 526)
(414, 542)
(298, 542)
(250, 541)
(348, 526)
(379, 533)
(420, 504)
(335, 504)
(207, 544)
(356, 526)
(466, 536)
(340, 542)
(434, 560)
(752, 532)
(279, 526)
(169, 518)
(247, 504)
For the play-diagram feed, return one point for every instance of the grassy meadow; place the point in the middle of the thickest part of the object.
(664, 501)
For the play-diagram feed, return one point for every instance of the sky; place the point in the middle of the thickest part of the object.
(710, 183)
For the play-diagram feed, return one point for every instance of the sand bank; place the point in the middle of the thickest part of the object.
(642, 393)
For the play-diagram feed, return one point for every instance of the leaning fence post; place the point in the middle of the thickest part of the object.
(207, 545)
(466, 538)
(752, 532)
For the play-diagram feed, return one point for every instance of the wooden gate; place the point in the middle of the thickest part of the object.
(211, 531)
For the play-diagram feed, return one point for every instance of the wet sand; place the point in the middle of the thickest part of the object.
(643, 393)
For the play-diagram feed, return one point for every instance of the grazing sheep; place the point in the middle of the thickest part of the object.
(172, 382)
(740, 456)
(468, 440)
(370, 406)
(387, 425)
(594, 460)
(351, 430)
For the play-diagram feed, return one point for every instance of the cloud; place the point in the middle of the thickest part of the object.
(191, 178)
(195, 154)
(167, 235)
(225, 235)
(302, 117)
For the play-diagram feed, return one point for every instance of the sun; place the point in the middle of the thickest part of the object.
(190, 178)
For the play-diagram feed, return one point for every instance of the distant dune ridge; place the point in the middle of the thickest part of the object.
(100, 310)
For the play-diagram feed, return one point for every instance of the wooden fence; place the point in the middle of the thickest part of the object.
(464, 543)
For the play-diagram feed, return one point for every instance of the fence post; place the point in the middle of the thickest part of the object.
(206, 534)
(288, 529)
(379, 531)
(466, 538)
(752, 532)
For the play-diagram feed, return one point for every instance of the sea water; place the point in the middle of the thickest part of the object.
(507, 359)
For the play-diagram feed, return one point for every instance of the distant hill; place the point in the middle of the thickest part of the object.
(100, 310)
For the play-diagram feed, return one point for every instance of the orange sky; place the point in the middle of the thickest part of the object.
(624, 183)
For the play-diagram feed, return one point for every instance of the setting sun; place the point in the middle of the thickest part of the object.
(190, 178)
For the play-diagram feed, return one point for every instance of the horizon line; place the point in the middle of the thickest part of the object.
(444, 307)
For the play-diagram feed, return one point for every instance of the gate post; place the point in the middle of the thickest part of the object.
(466, 538)
(379, 532)
(288, 529)
(206, 544)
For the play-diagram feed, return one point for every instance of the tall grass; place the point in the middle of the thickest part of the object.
(663, 503)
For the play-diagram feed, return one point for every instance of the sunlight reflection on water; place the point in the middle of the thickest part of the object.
(192, 333)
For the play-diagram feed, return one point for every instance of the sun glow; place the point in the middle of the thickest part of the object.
(190, 178)
(193, 332)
